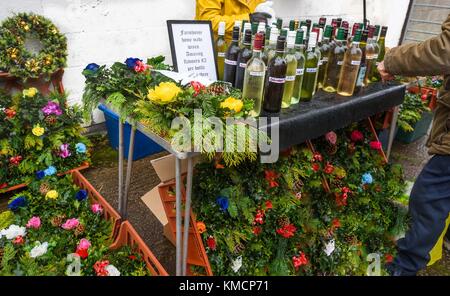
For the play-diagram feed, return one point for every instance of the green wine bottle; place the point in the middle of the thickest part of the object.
(221, 49)
(300, 57)
(335, 63)
(291, 70)
(325, 51)
(311, 65)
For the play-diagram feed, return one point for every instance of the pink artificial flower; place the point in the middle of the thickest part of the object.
(140, 67)
(18, 240)
(64, 151)
(84, 244)
(96, 208)
(376, 145)
(331, 137)
(34, 222)
(52, 108)
(357, 136)
(70, 224)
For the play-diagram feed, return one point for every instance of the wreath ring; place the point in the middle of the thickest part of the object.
(16, 59)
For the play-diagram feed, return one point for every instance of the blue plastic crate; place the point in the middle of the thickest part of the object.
(143, 146)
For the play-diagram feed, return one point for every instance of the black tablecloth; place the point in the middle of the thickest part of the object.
(327, 112)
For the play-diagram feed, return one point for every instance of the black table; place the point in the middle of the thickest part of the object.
(329, 112)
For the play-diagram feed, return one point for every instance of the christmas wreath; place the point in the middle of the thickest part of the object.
(17, 59)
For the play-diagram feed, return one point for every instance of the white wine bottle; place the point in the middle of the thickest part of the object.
(221, 49)
(350, 68)
(291, 70)
(300, 57)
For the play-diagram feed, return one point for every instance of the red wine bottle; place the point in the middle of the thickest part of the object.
(276, 79)
(244, 55)
(231, 57)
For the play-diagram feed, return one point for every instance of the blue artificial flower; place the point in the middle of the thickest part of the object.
(40, 175)
(80, 147)
(92, 67)
(131, 62)
(367, 179)
(223, 203)
(81, 195)
(17, 203)
(50, 171)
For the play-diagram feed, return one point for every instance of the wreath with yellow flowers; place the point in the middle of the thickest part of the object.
(15, 56)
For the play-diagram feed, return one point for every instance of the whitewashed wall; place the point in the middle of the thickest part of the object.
(105, 31)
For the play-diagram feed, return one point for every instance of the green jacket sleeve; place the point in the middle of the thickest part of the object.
(431, 57)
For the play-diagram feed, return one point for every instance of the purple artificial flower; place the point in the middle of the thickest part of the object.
(52, 108)
(64, 151)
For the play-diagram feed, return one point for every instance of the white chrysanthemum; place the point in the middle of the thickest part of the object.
(13, 231)
(237, 264)
(39, 250)
(112, 270)
(329, 247)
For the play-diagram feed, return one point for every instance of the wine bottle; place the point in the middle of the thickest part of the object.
(350, 68)
(279, 23)
(247, 26)
(244, 55)
(292, 25)
(276, 78)
(322, 22)
(325, 52)
(318, 53)
(231, 57)
(382, 52)
(335, 63)
(291, 71)
(300, 57)
(311, 64)
(267, 36)
(271, 49)
(221, 48)
(255, 73)
(371, 55)
(360, 81)
(374, 70)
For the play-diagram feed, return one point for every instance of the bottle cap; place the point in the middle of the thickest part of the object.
(291, 39)
(236, 34)
(365, 35)
(221, 31)
(371, 31)
(281, 43)
(384, 31)
(248, 37)
(355, 28)
(341, 34)
(292, 25)
(258, 43)
(284, 32)
(312, 39)
(345, 24)
(274, 35)
(339, 21)
(279, 23)
(322, 22)
(328, 31)
(357, 37)
(299, 36)
(254, 28)
(268, 29)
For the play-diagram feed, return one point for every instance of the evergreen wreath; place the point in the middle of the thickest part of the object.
(16, 59)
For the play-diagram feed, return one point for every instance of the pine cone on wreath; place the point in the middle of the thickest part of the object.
(284, 221)
(298, 186)
(57, 220)
(79, 230)
(44, 188)
(332, 149)
(1, 254)
(50, 120)
(239, 248)
(219, 88)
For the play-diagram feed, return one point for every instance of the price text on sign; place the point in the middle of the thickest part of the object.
(192, 47)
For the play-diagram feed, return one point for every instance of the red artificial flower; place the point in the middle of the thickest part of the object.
(317, 157)
(336, 223)
(83, 253)
(388, 258)
(211, 242)
(15, 160)
(271, 177)
(329, 168)
(331, 137)
(299, 261)
(298, 195)
(100, 266)
(10, 113)
(424, 97)
(376, 145)
(198, 87)
(132, 257)
(259, 217)
(3, 185)
(316, 167)
(140, 67)
(287, 231)
(18, 240)
(357, 136)
(269, 205)
(257, 230)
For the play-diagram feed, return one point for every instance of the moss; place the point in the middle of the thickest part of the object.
(103, 155)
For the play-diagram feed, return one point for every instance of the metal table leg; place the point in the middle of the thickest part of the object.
(120, 165)
(178, 215)
(187, 214)
(392, 131)
(124, 212)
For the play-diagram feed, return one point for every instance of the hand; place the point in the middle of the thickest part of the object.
(258, 17)
(384, 74)
(266, 7)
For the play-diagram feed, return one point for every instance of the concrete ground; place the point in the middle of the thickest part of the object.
(103, 176)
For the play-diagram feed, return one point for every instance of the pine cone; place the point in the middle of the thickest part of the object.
(50, 120)
(219, 88)
(44, 188)
(239, 248)
(298, 186)
(57, 220)
(79, 230)
(332, 149)
(1, 254)
(284, 221)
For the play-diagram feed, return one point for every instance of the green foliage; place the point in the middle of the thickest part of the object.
(411, 111)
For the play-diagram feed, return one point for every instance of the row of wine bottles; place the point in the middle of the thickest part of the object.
(276, 69)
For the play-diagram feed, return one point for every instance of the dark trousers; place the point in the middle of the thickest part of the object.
(429, 208)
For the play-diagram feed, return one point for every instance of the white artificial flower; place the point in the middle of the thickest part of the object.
(112, 270)
(13, 231)
(329, 248)
(39, 250)
(237, 264)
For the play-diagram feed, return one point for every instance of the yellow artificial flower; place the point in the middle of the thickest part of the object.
(165, 92)
(32, 65)
(52, 194)
(38, 130)
(201, 227)
(232, 104)
(30, 92)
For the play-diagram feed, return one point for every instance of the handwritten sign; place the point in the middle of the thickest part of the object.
(192, 47)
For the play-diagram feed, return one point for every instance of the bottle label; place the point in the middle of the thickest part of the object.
(290, 78)
(340, 63)
(361, 76)
(311, 70)
(320, 63)
(257, 74)
(230, 62)
(325, 60)
(221, 54)
(277, 80)
(300, 72)
(356, 63)
(375, 56)
(243, 65)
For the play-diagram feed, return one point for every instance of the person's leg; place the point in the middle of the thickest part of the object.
(430, 216)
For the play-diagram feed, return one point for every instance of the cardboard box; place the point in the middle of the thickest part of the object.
(152, 200)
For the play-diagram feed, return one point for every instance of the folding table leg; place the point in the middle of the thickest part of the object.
(178, 215)
(392, 132)
(187, 214)
(120, 189)
(124, 212)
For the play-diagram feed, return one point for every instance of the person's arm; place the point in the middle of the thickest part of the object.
(431, 57)
(212, 10)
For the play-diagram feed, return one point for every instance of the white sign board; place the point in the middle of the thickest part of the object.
(192, 46)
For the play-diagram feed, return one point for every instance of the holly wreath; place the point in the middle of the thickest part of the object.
(16, 59)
